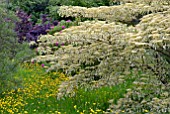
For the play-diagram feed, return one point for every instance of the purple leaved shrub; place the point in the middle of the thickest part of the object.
(25, 29)
(23, 26)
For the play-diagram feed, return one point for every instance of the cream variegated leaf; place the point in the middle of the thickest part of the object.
(102, 53)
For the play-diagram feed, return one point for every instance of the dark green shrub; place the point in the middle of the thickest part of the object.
(83, 3)
(50, 7)
(33, 7)
(11, 52)
(55, 4)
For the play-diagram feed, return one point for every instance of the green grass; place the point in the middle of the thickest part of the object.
(38, 95)
(94, 100)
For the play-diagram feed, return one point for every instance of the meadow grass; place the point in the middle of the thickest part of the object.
(93, 101)
(38, 94)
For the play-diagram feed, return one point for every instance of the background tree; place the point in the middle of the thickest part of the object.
(12, 53)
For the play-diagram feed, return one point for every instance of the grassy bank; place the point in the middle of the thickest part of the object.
(38, 94)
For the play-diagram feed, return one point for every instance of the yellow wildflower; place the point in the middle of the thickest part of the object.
(98, 110)
(75, 106)
(25, 112)
(92, 110)
(146, 111)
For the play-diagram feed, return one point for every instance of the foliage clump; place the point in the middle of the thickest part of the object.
(12, 53)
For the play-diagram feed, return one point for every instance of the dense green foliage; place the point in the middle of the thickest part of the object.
(33, 7)
(38, 7)
(85, 3)
(11, 52)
